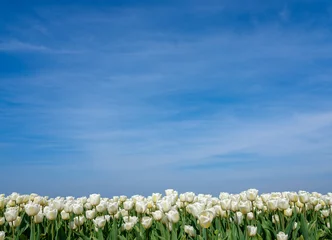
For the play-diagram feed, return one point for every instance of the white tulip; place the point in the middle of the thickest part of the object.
(79, 220)
(282, 236)
(325, 213)
(99, 222)
(252, 231)
(2, 221)
(156, 197)
(39, 217)
(90, 214)
(251, 194)
(234, 206)
(169, 192)
(77, 209)
(88, 206)
(146, 222)
(226, 204)
(244, 207)
(223, 195)
(11, 214)
(190, 230)
(51, 214)
(205, 219)
(304, 197)
(101, 207)
(32, 209)
(68, 207)
(128, 205)
(123, 198)
(128, 226)
(140, 207)
(64, 215)
(173, 216)
(293, 197)
(166, 205)
(250, 216)
(288, 212)
(272, 204)
(157, 215)
(189, 197)
(283, 204)
(275, 218)
(16, 222)
(2, 235)
(94, 199)
(113, 208)
(72, 225)
(238, 218)
(266, 197)
(2, 203)
(58, 204)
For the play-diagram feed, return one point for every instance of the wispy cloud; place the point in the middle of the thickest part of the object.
(18, 46)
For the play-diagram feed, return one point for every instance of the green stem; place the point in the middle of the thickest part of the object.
(13, 230)
(52, 229)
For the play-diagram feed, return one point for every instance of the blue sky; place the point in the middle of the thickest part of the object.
(126, 97)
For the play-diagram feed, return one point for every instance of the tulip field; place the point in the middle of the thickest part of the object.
(247, 215)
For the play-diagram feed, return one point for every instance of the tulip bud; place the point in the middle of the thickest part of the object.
(11, 214)
(173, 216)
(2, 221)
(275, 218)
(16, 222)
(128, 205)
(94, 199)
(205, 219)
(283, 203)
(140, 207)
(293, 197)
(282, 236)
(272, 204)
(325, 213)
(238, 218)
(225, 204)
(252, 231)
(78, 209)
(2, 203)
(38, 218)
(113, 208)
(244, 207)
(250, 216)
(100, 222)
(146, 222)
(190, 230)
(32, 209)
(288, 212)
(2, 235)
(295, 225)
(251, 194)
(166, 205)
(304, 197)
(79, 220)
(88, 206)
(128, 226)
(157, 215)
(51, 214)
(64, 215)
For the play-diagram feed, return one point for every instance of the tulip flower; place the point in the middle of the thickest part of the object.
(252, 231)
(282, 236)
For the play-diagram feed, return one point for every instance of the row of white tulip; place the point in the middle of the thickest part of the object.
(247, 215)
